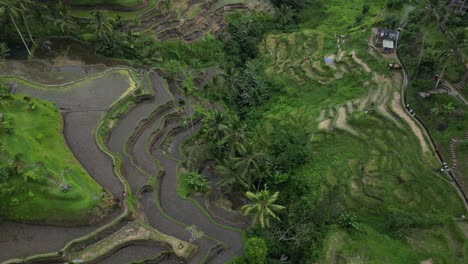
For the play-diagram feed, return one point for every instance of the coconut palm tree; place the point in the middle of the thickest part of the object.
(62, 17)
(25, 6)
(448, 108)
(236, 136)
(101, 24)
(252, 165)
(230, 85)
(436, 109)
(10, 9)
(262, 207)
(215, 126)
(232, 177)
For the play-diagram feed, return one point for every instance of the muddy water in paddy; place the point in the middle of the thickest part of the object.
(133, 253)
(185, 211)
(86, 105)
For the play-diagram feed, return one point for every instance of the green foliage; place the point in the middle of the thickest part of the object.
(4, 92)
(255, 251)
(396, 4)
(101, 25)
(254, 86)
(398, 221)
(348, 220)
(30, 164)
(203, 53)
(246, 32)
(390, 21)
(288, 143)
(262, 207)
(197, 182)
(4, 50)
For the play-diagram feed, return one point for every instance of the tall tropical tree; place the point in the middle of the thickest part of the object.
(215, 125)
(62, 18)
(10, 9)
(252, 165)
(262, 207)
(25, 7)
(230, 85)
(236, 136)
(101, 24)
(232, 177)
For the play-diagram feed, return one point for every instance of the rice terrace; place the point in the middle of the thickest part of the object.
(233, 131)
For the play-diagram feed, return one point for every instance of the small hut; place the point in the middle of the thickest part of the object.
(385, 39)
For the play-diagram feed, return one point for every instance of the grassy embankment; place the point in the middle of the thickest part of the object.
(37, 137)
(403, 208)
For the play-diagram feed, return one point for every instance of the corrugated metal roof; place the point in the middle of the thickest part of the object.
(387, 44)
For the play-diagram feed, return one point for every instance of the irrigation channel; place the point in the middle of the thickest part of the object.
(126, 126)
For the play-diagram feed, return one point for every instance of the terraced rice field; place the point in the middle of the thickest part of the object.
(125, 128)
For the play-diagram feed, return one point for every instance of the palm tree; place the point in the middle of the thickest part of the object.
(236, 136)
(252, 166)
(262, 207)
(26, 6)
(232, 177)
(436, 109)
(448, 108)
(4, 50)
(62, 17)
(11, 11)
(229, 87)
(100, 24)
(215, 126)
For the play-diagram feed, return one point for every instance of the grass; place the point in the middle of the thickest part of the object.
(395, 176)
(371, 246)
(38, 137)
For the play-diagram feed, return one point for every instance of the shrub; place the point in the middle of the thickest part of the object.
(197, 182)
(348, 220)
(365, 8)
(255, 251)
(4, 93)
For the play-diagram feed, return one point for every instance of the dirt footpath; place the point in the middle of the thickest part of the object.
(396, 107)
